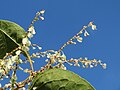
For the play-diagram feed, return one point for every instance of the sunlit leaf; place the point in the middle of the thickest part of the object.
(58, 79)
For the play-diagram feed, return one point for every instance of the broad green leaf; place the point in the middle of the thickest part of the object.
(11, 35)
(58, 79)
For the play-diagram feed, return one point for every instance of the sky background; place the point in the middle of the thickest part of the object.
(63, 19)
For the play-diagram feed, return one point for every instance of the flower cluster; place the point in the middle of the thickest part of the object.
(54, 59)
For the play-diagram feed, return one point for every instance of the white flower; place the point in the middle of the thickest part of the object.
(38, 56)
(30, 35)
(6, 77)
(23, 88)
(20, 68)
(13, 59)
(39, 47)
(46, 60)
(84, 27)
(26, 70)
(18, 52)
(63, 67)
(86, 33)
(24, 40)
(26, 48)
(91, 66)
(33, 47)
(42, 18)
(42, 11)
(34, 88)
(49, 55)
(32, 30)
(7, 85)
(63, 56)
(28, 43)
(104, 65)
(94, 27)
(79, 39)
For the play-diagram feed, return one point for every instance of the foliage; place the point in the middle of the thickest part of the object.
(15, 42)
(59, 79)
(11, 36)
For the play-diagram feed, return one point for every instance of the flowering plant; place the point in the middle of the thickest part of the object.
(12, 58)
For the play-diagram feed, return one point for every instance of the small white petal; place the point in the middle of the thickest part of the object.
(79, 39)
(32, 30)
(23, 88)
(30, 35)
(26, 48)
(39, 47)
(86, 33)
(104, 65)
(33, 47)
(24, 41)
(42, 18)
(7, 77)
(38, 56)
(42, 11)
(14, 58)
(18, 52)
(28, 43)
(91, 66)
(93, 27)
(34, 88)
(46, 60)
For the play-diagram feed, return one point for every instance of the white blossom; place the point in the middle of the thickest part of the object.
(34, 88)
(30, 35)
(6, 77)
(24, 40)
(42, 18)
(42, 11)
(23, 88)
(79, 39)
(33, 47)
(64, 57)
(14, 58)
(91, 66)
(104, 65)
(26, 48)
(38, 56)
(32, 30)
(18, 52)
(86, 33)
(39, 47)
(94, 27)
(63, 67)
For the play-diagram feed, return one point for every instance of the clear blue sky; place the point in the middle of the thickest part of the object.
(63, 19)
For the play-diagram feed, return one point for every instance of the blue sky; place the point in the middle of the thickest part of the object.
(63, 19)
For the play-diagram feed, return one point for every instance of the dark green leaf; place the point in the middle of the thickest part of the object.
(11, 35)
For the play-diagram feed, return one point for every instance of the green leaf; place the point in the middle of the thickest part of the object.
(11, 35)
(58, 79)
